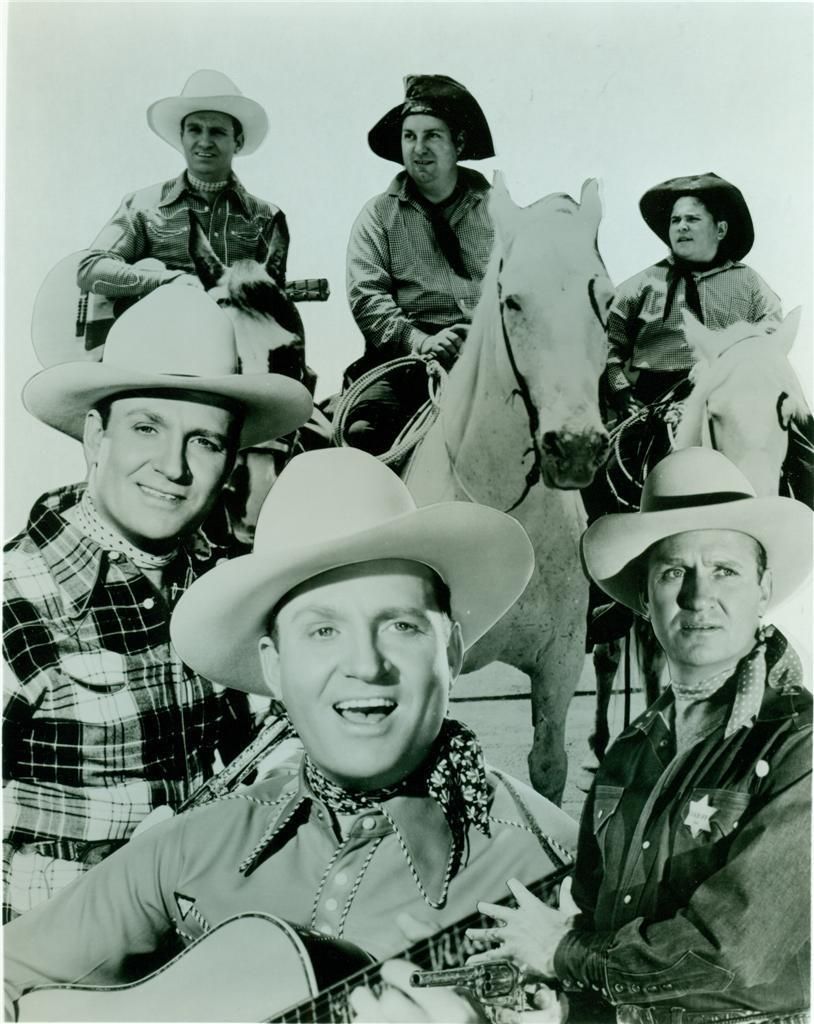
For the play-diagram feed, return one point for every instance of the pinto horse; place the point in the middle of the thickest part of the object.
(519, 429)
(742, 398)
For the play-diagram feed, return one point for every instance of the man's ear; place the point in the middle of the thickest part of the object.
(460, 142)
(92, 435)
(455, 652)
(766, 583)
(721, 228)
(239, 142)
(270, 664)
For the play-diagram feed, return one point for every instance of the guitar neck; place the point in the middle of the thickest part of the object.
(308, 289)
(447, 948)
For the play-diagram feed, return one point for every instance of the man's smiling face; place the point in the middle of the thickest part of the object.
(365, 659)
(157, 465)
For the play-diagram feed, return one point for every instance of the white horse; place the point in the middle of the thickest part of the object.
(519, 429)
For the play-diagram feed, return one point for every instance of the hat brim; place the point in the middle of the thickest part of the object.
(62, 395)
(165, 116)
(485, 558)
(612, 546)
(656, 206)
(384, 138)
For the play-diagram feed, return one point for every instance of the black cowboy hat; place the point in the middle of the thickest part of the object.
(725, 201)
(441, 97)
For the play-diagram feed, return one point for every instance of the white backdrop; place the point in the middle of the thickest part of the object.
(630, 93)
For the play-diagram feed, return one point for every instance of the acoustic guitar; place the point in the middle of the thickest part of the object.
(255, 967)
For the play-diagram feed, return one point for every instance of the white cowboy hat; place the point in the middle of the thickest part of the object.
(697, 489)
(174, 338)
(208, 90)
(340, 507)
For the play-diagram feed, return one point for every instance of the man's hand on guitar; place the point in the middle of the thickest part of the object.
(400, 1002)
(528, 934)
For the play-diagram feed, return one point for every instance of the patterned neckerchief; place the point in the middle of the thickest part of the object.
(206, 186)
(454, 776)
(85, 517)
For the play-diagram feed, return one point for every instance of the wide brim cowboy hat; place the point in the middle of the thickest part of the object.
(697, 489)
(438, 96)
(208, 90)
(657, 203)
(335, 508)
(175, 339)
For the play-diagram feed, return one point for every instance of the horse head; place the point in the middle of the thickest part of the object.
(553, 294)
(268, 327)
(746, 394)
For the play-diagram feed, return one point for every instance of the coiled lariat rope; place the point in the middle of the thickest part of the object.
(417, 427)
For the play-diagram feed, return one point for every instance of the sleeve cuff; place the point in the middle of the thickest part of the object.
(417, 339)
(616, 378)
(579, 960)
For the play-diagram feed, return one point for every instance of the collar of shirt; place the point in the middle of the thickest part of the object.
(424, 835)
(75, 561)
(669, 262)
(473, 186)
(180, 185)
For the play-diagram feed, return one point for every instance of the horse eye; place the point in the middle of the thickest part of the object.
(513, 304)
(224, 302)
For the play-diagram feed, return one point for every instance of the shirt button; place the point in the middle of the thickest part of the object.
(325, 928)
(599, 814)
(217, 234)
(148, 603)
(341, 879)
(206, 209)
(627, 898)
(662, 743)
(114, 556)
(646, 844)
(331, 904)
(368, 823)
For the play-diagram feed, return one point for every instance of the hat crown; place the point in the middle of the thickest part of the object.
(329, 495)
(209, 83)
(692, 477)
(173, 331)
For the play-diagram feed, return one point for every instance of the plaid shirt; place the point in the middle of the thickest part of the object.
(396, 274)
(154, 223)
(637, 331)
(102, 721)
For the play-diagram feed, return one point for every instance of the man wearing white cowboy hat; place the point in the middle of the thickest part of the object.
(418, 252)
(692, 871)
(356, 607)
(210, 123)
(102, 720)
(705, 221)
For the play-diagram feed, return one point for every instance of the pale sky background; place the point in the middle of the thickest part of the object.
(630, 93)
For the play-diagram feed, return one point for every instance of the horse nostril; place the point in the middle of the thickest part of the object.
(552, 442)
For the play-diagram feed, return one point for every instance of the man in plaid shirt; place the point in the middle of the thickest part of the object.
(210, 123)
(103, 723)
(418, 252)
(706, 223)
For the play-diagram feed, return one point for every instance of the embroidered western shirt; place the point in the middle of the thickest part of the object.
(274, 848)
(692, 872)
(637, 332)
(154, 222)
(398, 277)
(102, 721)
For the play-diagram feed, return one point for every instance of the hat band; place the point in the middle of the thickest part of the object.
(669, 502)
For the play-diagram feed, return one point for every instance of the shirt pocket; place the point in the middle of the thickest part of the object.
(605, 817)
(172, 228)
(708, 816)
(244, 230)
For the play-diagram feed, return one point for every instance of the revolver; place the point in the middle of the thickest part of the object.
(497, 984)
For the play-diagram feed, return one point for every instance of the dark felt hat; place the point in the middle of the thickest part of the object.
(438, 96)
(725, 201)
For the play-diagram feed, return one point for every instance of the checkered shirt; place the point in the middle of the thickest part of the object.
(102, 721)
(638, 333)
(398, 277)
(154, 222)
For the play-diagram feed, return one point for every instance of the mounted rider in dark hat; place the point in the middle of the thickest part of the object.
(418, 252)
(706, 223)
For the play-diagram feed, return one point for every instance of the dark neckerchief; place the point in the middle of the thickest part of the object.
(453, 775)
(444, 233)
(681, 270)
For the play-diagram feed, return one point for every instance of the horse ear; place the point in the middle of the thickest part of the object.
(277, 253)
(786, 331)
(502, 209)
(703, 342)
(590, 203)
(207, 265)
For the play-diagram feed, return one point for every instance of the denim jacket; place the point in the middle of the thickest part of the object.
(692, 872)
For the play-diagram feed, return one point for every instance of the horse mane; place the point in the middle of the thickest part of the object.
(739, 343)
